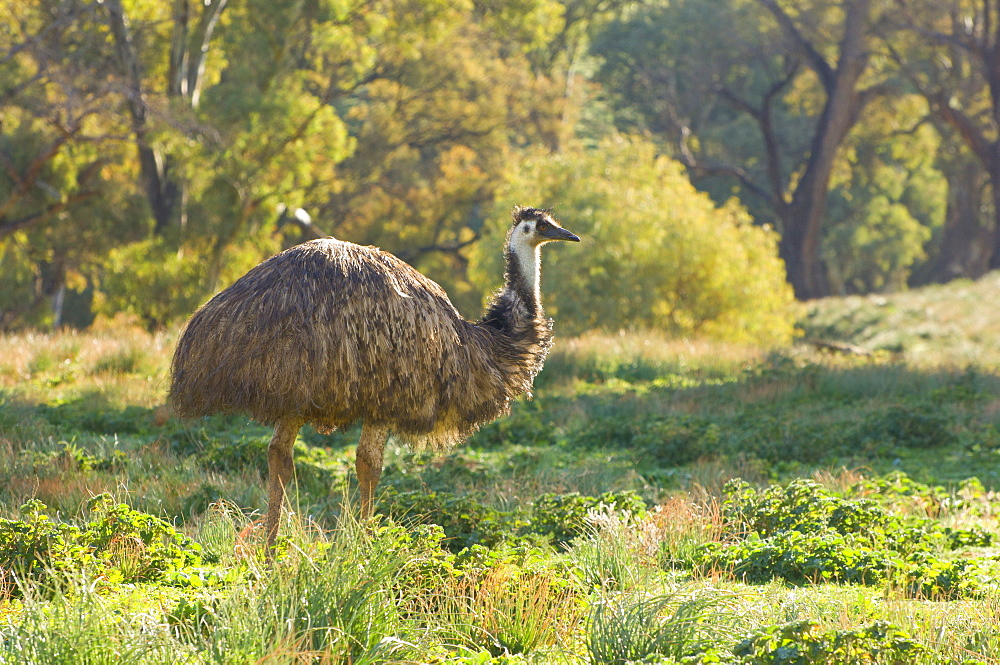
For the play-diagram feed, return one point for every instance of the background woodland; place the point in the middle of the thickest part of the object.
(720, 157)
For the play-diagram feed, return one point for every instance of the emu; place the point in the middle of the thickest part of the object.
(331, 333)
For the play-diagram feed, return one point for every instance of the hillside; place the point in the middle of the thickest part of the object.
(958, 322)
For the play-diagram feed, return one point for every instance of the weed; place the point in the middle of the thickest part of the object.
(506, 609)
(119, 544)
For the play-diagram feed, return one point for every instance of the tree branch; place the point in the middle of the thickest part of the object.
(816, 60)
(960, 122)
(701, 171)
(10, 226)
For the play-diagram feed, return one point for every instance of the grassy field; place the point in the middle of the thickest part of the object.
(657, 501)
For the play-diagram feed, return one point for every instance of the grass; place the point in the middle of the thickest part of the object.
(595, 524)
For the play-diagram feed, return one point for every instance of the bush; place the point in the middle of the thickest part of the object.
(149, 280)
(656, 253)
(563, 517)
(466, 522)
(910, 426)
(668, 441)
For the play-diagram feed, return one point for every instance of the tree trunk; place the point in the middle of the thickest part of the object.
(964, 251)
(994, 241)
(188, 51)
(803, 217)
(161, 191)
(799, 248)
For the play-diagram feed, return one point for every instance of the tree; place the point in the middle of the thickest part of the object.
(58, 196)
(950, 51)
(188, 51)
(775, 63)
(887, 199)
(437, 132)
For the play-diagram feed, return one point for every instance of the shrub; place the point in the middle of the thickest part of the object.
(563, 517)
(150, 280)
(466, 522)
(660, 255)
(668, 441)
(910, 426)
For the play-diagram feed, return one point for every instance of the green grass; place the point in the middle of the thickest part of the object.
(592, 525)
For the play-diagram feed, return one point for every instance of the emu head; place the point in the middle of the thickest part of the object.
(533, 226)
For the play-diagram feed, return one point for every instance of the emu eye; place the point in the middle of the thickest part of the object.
(542, 225)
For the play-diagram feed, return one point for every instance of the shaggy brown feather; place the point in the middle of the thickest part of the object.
(330, 332)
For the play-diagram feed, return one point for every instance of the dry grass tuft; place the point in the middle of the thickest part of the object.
(510, 609)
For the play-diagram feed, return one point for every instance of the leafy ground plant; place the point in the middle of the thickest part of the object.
(538, 536)
(118, 544)
(805, 643)
(805, 533)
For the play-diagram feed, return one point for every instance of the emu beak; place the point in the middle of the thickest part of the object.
(553, 232)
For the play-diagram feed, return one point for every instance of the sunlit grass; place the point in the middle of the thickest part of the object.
(125, 363)
(84, 413)
(954, 324)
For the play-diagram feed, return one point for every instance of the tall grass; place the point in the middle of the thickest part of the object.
(84, 628)
(633, 628)
(506, 610)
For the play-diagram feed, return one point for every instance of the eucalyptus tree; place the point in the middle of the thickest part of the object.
(61, 141)
(761, 92)
(950, 51)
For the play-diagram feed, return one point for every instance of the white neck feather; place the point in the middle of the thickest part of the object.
(529, 258)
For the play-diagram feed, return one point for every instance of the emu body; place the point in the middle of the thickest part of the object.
(332, 333)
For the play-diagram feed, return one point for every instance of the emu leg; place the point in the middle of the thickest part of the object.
(279, 472)
(368, 463)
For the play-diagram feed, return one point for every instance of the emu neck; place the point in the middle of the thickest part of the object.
(522, 275)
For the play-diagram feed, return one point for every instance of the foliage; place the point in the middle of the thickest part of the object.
(565, 517)
(803, 642)
(468, 522)
(886, 203)
(749, 114)
(512, 607)
(415, 125)
(390, 121)
(660, 255)
(404, 590)
(150, 281)
(804, 533)
(120, 544)
(334, 599)
(675, 440)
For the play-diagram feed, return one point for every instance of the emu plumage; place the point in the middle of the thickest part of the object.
(331, 333)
